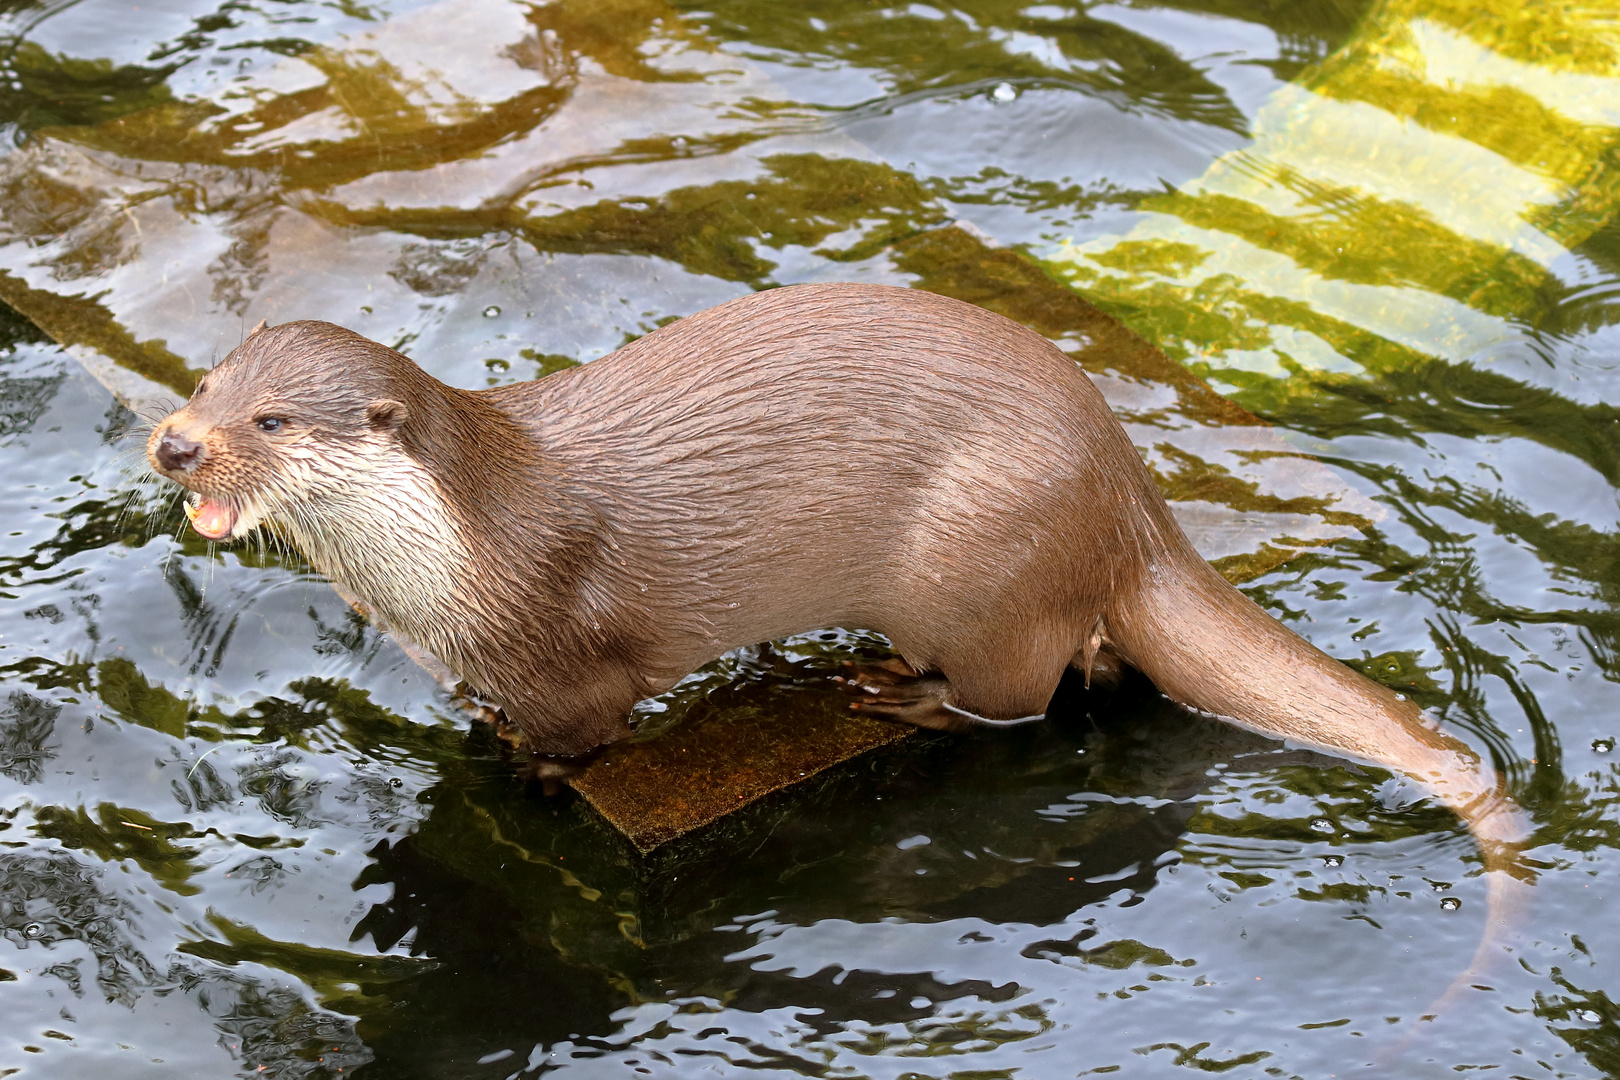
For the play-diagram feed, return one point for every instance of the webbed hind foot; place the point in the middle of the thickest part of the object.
(891, 690)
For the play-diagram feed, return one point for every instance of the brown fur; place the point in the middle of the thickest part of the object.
(800, 458)
(806, 457)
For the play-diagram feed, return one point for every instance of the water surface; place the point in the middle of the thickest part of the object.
(242, 834)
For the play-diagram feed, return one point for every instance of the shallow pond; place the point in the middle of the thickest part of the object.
(243, 834)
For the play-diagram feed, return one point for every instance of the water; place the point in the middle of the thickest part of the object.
(242, 834)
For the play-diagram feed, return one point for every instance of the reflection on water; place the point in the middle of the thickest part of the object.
(241, 833)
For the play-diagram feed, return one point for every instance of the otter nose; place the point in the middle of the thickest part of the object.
(176, 453)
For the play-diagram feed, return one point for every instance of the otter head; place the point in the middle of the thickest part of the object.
(287, 424)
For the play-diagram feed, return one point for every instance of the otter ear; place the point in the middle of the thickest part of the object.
(385, 414)
(262, 324)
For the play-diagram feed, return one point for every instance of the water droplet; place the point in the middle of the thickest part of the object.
(1003, 93)
(1322, 824)
(678, 142)
(497, 365)
(1603, 746)
(491, 311)
(394, 781)
(1450, 903)
(1589, 1015)
(1333, 860)
(34, 930)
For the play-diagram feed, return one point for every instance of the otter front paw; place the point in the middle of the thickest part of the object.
(552, 772)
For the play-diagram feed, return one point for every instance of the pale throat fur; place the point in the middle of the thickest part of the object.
(371, 517)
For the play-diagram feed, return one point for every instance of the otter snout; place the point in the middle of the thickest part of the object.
(173, 451)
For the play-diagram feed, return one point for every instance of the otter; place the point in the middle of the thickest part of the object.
(805, 457)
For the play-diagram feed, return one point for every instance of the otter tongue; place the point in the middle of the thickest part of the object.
(212, 519)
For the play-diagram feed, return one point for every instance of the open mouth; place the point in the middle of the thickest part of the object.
(212, 518)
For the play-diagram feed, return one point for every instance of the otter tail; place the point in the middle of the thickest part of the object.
(1206, 645)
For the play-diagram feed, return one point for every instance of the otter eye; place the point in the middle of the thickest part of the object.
(271, 423)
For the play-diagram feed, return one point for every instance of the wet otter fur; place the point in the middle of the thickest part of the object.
(823, 455)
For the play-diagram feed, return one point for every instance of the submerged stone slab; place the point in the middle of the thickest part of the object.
(688, 778)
